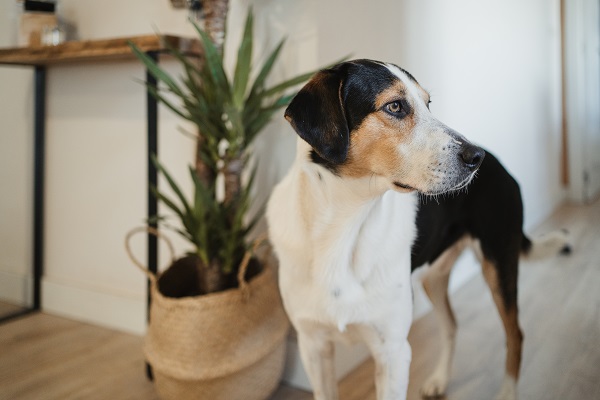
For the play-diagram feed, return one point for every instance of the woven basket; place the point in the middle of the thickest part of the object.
(227, 345)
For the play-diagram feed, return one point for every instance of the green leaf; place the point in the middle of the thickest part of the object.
(155, 70)
(236, 134)
(287, 84)
(214, 62)
(294, 81)
(266, 69)
(243, 65)
(282, 101)
(155, 92)
(264, 116)
(192, 70)
(207, 128)
(258, 123)
(172, 184)
(168, 202)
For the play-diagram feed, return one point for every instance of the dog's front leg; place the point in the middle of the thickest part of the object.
(392, 356)
(317, 354)
(391, 372)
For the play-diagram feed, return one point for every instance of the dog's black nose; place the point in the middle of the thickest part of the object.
(472, 155)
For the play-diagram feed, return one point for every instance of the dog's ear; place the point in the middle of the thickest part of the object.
(317, 115)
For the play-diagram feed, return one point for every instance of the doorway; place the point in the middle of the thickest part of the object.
(582, 96)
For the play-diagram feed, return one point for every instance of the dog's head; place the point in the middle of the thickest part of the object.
(365, 118)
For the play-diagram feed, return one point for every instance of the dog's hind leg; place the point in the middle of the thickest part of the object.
(317, 353)
(435, 283)
(504, 293)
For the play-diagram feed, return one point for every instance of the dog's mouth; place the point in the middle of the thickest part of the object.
(454, 188)
(403, 186)
(446, 188)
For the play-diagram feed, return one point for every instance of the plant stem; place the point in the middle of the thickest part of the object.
(215, 20)
(212, 277)
(233, 178)
(206, 174)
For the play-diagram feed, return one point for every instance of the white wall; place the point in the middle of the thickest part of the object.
(16, 171)
(96, 168)
(493, 70)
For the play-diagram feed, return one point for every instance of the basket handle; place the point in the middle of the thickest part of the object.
(153, 231)
(241, 275)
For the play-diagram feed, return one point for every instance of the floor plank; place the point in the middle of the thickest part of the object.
(47, 357)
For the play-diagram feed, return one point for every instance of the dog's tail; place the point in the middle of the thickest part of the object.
(550, 244)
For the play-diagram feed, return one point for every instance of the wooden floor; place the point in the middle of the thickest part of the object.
(43, 357)
(10, 308)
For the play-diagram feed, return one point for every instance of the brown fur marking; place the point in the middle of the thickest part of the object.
(514, 336)
(374, 144)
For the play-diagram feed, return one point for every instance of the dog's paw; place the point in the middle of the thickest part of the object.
(508, 391)
(434, 386)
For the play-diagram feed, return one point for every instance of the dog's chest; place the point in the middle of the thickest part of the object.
(366, 276)
(355, 266)
(382, 246)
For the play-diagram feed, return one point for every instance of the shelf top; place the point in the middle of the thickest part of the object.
(94, 50)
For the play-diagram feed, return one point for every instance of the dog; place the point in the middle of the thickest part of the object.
(488, 217)
(342, 221)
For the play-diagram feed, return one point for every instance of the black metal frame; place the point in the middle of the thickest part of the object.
(39, 127)
(152, 121)
(39, 183)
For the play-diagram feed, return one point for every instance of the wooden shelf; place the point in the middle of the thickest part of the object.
(94, 50)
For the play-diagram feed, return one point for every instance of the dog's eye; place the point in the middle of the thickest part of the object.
(398, 109)
(394, 107)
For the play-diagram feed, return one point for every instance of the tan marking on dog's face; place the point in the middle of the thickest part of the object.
(415, 151)
(374, 144)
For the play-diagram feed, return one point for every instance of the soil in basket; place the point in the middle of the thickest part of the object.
(186, 277)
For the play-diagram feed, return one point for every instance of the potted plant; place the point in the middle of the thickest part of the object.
(217, 327)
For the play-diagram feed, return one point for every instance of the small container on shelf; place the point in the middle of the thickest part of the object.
(36, 16)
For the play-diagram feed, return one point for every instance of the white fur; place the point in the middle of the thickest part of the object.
(547, 245)
(344, 252)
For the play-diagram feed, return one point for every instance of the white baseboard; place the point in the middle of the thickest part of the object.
(99, 308)
(16, 289)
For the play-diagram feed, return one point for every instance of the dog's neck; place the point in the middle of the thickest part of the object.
(338, 207)
(351, 192)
